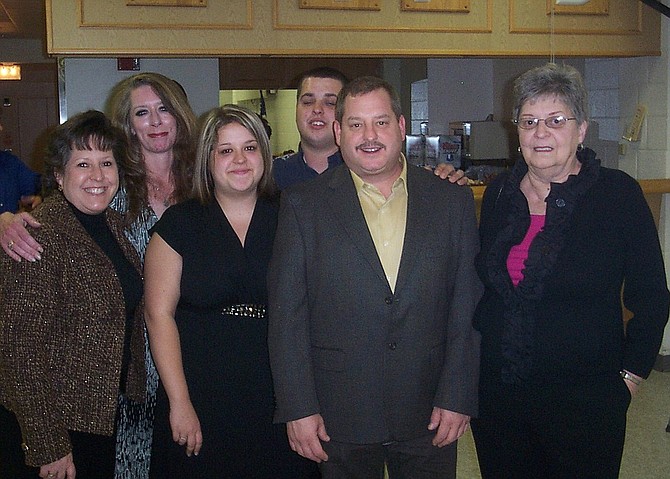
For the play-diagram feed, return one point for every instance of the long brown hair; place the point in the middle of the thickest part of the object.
(174, 99)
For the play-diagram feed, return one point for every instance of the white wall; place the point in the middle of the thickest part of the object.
(458, 89)
(88, 81)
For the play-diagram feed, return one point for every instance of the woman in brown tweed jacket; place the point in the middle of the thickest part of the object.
(71, 334)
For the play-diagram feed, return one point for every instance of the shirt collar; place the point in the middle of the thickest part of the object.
(360, 184)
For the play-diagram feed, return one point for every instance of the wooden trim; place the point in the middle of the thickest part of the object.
(216, 52)
(455, 6)
(653, 190)
(649, 187)
(49, 22)
(144, 26)
(361, 28)
(166, 3)
(420, 34)
(576, 31)
(513, 28)
(341, 4)
(594, 7)
(168, 26)
(488, 28)
(655, 186)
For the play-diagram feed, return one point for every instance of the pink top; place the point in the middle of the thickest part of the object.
(519, 253)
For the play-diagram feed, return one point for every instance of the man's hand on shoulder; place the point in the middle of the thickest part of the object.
(305, 436)
(15, 239)
(30, 202)
(447, 172)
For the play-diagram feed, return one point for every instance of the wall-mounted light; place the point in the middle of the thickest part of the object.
(10, 72)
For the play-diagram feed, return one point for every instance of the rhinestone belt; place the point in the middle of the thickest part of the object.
(245, 310)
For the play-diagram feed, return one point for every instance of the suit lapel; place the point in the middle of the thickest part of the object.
(416, 228)
(344, 202)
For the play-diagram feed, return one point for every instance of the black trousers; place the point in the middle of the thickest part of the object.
(12, 460)
(562, 431)
(94, 455)
(412, 459)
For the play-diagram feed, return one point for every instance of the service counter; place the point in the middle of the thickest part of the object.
(653, 192)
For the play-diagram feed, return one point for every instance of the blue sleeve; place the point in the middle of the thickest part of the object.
(29, 181)
(16, 180)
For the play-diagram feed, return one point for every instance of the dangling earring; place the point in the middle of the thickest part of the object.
(60, 188)
(580, 147)
(518, 148)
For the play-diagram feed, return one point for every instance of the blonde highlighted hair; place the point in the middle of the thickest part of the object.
(208, 136)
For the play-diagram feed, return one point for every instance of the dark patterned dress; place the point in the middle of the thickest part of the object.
(135, 421)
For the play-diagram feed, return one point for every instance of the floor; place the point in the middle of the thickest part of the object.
(647, 450)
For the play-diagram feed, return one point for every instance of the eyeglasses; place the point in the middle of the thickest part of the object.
(553, 122)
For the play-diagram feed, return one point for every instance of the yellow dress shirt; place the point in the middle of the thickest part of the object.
(386, 219)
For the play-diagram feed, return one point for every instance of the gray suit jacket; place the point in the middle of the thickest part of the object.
(372, 362)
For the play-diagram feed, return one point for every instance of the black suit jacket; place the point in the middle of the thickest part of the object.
(373, 362)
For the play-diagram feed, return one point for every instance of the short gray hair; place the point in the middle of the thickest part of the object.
(561, 81)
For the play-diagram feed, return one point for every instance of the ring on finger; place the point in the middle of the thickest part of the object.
(10, 247)
(49, 474)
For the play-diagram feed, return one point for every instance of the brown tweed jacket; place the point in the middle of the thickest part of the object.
(62, 322)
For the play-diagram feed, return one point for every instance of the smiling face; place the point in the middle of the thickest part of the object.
(237, 163)
(550, 153)
(154, 126)
(89, 180)
(370, 136)
(315, 112)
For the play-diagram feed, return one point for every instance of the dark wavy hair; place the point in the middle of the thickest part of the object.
(363, 85)
(86, 131)
(174, 99)
(321, 72)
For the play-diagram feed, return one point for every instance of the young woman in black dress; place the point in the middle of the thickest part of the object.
(205, 272)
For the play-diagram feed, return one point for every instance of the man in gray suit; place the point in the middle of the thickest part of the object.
(372, 289)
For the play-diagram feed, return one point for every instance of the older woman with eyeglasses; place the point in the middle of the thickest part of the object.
(560, 237)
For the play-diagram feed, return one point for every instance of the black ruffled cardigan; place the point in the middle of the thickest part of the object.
(564, 319)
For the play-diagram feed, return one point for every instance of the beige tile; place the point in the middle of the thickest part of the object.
(647, 450)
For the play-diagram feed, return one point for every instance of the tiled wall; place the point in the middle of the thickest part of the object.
(602, 80)
(419, 105)
(645, 81)
(616, 87)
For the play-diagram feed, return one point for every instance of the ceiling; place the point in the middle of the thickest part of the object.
(22, 19)
(27, 18)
